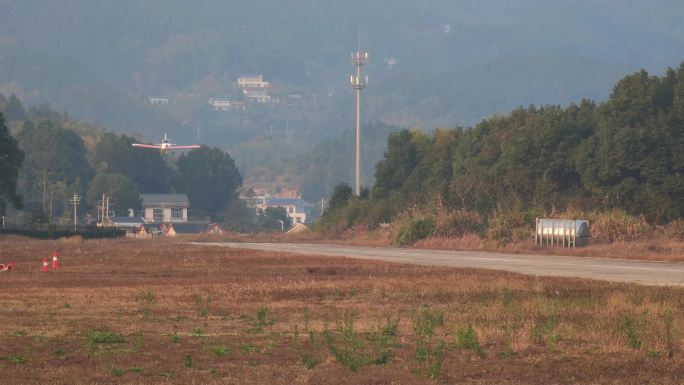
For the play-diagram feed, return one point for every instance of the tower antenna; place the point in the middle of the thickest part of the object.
(358, 83)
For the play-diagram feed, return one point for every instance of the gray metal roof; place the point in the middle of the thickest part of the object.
(127, 222)
(165, 200)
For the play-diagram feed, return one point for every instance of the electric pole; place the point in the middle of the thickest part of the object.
(75, 200)
(44, 188)
(359, 59)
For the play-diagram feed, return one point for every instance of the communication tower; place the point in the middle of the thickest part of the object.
(358, 83)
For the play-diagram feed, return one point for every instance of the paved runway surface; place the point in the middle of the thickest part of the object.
(648, 273)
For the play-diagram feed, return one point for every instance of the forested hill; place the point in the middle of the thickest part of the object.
(626, 153)
(453, 63)
(456, 62)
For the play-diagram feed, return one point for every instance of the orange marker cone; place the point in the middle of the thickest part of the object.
(55, 260)
(45, 264)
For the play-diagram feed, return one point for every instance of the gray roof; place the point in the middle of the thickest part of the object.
(130, 222)
(300, 204)
(165, 200)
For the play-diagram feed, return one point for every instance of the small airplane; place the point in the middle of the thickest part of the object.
(165, 146)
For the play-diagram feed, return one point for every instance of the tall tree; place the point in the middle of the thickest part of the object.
(123, 193)
(53, 154)
(400, 159)
(114, 154)
(10, 162)
(12, 108)
(209, 177)
(341, 195)
(632, 160)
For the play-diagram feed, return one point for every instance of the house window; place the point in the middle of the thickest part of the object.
(176, 213)
(290, 210)
(157, 215)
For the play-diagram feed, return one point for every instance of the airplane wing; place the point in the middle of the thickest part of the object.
(184, 147)
(147, 146)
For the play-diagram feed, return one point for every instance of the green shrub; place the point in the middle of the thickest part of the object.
(430, 355)
(632, 328)
(457, 223)
(16, 359)
(248, 348)
(414, 229)
(175, 338)
(219, 350)
(187, 360)
(466, 339)
(103, 336)
(426, 321)
(675, 230)
(309, 361)
(545, 330)
(261, 321)
(618, 226)
(203, 306)
(506, 225)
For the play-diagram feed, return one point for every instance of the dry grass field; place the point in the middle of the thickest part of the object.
(141, 312)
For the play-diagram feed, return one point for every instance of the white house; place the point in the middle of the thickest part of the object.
(220, 104)
(165, 208)
(258, 95)
(224, 104)
(159, 101)
(252, 82)
(297, 209)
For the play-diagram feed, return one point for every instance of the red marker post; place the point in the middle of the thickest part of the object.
(45, 264)
(55, 260)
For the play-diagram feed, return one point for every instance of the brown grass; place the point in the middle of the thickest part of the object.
(655, 249)
(170, 301)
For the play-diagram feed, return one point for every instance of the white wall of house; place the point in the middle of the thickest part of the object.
(293, 214)
(166, 215)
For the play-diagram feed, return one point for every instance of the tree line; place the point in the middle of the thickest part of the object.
(626, 153)
(45, 157)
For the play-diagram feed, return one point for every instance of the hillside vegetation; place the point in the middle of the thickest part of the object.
(620, 163)
(60, 156)
(455, 64)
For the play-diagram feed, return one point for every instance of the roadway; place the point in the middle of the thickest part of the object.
(618, 270)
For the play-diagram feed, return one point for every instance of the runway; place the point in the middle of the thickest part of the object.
(618, 270)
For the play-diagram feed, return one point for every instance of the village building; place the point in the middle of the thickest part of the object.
(298, 210)
(253, 82)
(258, 95)
(220, 104)
(255, 89)
(156, 101)
(165, 208)
(224, 104)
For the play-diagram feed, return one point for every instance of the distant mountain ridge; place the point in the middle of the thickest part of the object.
(455, 62)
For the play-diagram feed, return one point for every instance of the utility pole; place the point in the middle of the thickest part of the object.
(44, 188)
(75, 200)
(50, 202)
(359, 59)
